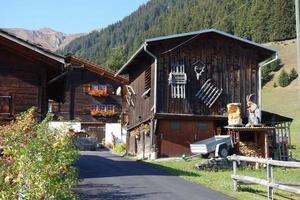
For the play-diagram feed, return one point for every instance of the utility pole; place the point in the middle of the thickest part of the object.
(297, 2)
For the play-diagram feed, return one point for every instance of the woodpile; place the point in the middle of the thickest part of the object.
(249, 149)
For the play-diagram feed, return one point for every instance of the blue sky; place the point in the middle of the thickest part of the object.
(69, 16)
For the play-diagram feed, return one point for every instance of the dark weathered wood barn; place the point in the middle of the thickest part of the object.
(26, 77)
(90, 96)
(179, 87)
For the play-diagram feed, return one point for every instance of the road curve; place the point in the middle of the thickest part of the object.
(109, 177)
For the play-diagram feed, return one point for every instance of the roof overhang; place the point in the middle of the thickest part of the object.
(123, 70)
(32, 47)
(95, 69)
(141, 49)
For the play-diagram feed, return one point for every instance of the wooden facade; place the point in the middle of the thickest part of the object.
(79, 102)
(25, 73)
(230, 64)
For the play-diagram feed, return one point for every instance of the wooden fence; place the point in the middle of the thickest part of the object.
(269, 183)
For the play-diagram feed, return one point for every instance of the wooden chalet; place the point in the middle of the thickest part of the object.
(27, 77)
(179, 86)
(90, 96)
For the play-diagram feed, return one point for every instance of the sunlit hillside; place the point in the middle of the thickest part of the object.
(285, 101)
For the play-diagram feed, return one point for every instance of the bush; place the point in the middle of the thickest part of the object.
(274, 66)
(283, 79)
(119, 149)
(275, 85)
(293, 75)
(266, 70)
(37, 162)
(265, 75)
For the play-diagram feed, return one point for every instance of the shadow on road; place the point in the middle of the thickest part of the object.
(108, 192)
(93, 166)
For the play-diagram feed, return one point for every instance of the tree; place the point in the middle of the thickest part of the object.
(283, 79)
(116, 58)
(293, 74)
(258, 20)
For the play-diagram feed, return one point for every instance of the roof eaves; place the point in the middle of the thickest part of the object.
(130, 60)
(33, 47)
(207, 31)
(97, 69)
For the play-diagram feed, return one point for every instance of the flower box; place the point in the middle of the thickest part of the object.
(96, 90)
(102, 110)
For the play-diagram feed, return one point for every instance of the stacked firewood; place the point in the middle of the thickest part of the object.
(250, 149)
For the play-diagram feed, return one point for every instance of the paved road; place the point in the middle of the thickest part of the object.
(109, 177)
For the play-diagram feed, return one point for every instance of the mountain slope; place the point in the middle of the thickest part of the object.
(257, 20)
(285, 101)
(45, 37)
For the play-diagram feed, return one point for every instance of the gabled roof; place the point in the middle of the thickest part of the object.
(92, 67)
(191, 35)
(31, 46)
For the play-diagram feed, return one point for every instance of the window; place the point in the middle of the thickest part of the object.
(175, 125)
(6, 105)
(203, 126)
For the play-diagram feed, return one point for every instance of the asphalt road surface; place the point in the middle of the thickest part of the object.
(109, 177)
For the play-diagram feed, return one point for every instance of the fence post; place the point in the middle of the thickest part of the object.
(234, 163)
(270, 179)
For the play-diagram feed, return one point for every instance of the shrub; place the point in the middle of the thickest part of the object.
(267, 69)
(293, 75)
(275, 85)
(274, 66)
(283, 79)
(37, 161)
(119, 149)
(265, 75)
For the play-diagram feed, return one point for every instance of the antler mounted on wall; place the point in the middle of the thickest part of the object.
(199, 68)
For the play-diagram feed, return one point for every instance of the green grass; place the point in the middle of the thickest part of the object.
(221, 181)
(285, 101)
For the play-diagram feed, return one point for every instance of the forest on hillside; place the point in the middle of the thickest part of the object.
(257, 20)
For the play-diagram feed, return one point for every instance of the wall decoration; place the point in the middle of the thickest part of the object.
(254, 112)
(209, 93)
(102, 110)
(130, 96)
(199, 68)
(177, 80)
(119, 91)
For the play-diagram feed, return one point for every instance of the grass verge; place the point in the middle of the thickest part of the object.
(221, 181)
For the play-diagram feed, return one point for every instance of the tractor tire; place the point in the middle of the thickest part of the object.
(223, 151)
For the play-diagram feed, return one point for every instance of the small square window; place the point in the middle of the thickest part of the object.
(203, 126)
(175, 125)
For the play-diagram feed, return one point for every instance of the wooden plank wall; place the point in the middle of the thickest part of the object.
(142, 109)
(77, 101)
(22, 78)
(231, 65)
